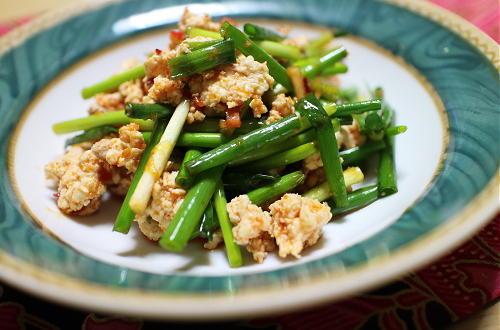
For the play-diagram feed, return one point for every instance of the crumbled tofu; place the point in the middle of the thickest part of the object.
(260, 246)
(120, 180)
(300, 41)
(249, 219)
(282, 106)
(150, 228)
(252, 226)
(313, 162)
(106, 102)
(56, 169)
(124, 151)
(258, 107)
(351, 135)
(297, 223)
(165, 90)
(194, 115)
(215, 241)
(166, 198)
(203, 21)
(132, 91)
(232, 84)
(314, 178)
(156, 64)
(79, 186)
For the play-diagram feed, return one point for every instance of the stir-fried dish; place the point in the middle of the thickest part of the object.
(233, 134)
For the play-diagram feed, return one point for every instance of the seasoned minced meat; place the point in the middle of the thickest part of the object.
(124, 151)
(297, 223)
(232, 84)
(282, 106)
(166, 198)
(203, 21)
(79, 186)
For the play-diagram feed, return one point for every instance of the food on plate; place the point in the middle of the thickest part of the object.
(242, 136)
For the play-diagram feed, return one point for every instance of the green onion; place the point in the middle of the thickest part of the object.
(322, 192)
(201, 140)
(197, 32)
(113, 82)
(387, 180)
(239, 182)
(232, 249)
(275, 132)
(261, 33)
(208, 223)
(196, 45)
(92, 134)
(158, 159)
(189, 214)
(247, 47)
(126, 216)
(274, 148)
(316, 47)
(357, 154)
(280, 50)
(357, 199)
(148, 111)
(348, 109)
(267, 193)
(334, 69)
(281, 159)
(203, 59)
(183, 178)
(328, 92)
(310, 107)
(244, 144)
(395, 130)
(103, 119)
(325, 61)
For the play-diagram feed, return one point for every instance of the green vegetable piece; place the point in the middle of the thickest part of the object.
(257, 32)
(92, 134)
(113, 82)
(188, 216)
(183, 178)
(203, 59)
(232, 249)
(283, 185)
(148, 111)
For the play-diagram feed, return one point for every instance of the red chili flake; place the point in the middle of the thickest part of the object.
(104, 175)
(233, 119)
(177, 36)
(56, 195)
(306, 85)
(158, 51)
(195, 99)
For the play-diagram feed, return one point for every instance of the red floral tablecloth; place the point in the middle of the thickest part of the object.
(457, 285)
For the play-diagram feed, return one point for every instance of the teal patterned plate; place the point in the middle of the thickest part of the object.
(440, 73)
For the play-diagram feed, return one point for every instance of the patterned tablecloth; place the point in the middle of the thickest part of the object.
(457, 285)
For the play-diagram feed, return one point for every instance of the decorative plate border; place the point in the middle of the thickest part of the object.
(376, 271)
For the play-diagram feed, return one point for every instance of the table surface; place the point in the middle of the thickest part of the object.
(22, 309)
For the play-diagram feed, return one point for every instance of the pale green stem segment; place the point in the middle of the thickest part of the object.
(322, 192)
(113, 82)
(158, 159)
